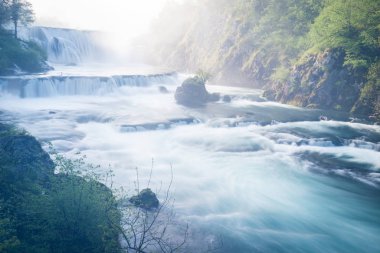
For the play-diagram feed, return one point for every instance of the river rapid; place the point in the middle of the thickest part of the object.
(256, 176)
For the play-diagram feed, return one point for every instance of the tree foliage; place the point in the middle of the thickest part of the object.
(21, 12)
(67, 206)
(4, 12)
(41, 211)
(16, 12)
(27, 56)
(352, 25)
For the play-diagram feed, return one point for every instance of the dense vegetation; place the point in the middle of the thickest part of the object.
(17, 55)
(20, 55)
(41, 211)
(52, 204)
(262, 43)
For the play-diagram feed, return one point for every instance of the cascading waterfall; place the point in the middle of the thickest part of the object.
(29, 87)
(65, 46)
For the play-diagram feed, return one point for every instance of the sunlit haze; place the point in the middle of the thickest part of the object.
(122, 19)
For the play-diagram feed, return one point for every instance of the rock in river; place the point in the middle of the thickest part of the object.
(193, 93)
(146, 199)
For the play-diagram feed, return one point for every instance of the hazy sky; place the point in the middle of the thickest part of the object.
(128, 16)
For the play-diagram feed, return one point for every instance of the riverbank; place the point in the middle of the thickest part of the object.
(45, 204)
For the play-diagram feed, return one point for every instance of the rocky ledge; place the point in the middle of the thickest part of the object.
(324, 81)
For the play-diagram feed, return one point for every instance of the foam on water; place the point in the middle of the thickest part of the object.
(242, 171)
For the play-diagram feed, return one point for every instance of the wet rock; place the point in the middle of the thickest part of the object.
(146, 199)
(226, 99)
(192, 93)
(163, 89)
(213, 97)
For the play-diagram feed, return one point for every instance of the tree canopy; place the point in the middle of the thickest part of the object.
(16, 12)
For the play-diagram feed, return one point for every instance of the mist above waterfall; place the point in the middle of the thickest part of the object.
(115, 23)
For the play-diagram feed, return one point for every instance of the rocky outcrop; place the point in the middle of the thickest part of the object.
(193, 93)
(321, 81)
(369, 100)
(23, 155)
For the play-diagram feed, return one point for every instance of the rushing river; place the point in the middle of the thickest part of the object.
(262, 176)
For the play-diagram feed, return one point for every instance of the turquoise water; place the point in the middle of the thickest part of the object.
(249, 176)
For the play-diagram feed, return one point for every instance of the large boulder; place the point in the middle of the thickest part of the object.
(193, 93)
(146, 199)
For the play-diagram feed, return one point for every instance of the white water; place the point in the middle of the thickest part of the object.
(66, 46)
(264, 176)
(48, 86)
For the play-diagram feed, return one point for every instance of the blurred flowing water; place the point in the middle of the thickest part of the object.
(261, 176)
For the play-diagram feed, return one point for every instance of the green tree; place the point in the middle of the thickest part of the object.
(8, 238)
(4, 12)
(21, 12)
(352, 25)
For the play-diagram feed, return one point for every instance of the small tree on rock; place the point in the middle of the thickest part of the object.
(4, 12)
(21, 12)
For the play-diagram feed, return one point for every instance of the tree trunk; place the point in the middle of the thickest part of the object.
(15, 25)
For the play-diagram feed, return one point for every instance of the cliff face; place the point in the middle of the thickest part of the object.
(369, 100)
(239, 42)
(262, 44)
(324, 81)
(321, 81)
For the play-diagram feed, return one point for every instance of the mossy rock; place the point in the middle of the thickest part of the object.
(192, 93)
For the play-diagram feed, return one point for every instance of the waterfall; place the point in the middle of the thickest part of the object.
(49, 86)
(65, 46)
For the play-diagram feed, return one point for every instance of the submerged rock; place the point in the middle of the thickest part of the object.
(146, 199)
